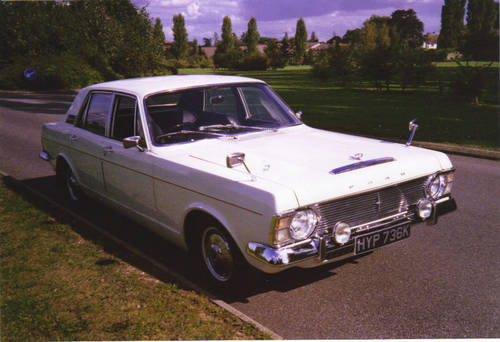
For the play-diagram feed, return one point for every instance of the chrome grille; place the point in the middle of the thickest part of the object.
(372, 205)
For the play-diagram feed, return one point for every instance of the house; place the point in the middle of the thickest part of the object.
(430, 41)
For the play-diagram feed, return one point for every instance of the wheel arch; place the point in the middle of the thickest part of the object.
(193, 219)
(62, 160)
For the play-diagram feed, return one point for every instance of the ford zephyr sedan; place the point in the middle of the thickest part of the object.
(223, 168)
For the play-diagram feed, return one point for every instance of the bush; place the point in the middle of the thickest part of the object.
(254, 61)
(53, 72)
(228, 59)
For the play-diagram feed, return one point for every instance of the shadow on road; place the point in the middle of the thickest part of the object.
(155, 247)
(38, 103)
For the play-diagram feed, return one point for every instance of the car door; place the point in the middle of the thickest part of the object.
(127, 171)
(87, 140)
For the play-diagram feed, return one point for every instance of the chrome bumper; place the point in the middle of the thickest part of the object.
(45, 156)
(318, 251)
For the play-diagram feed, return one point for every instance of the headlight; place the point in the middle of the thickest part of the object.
(425, 208)
(303, 224)
(341, 232)
(439, 185)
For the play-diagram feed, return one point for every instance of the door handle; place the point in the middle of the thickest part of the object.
(107, 150)
(73, 137)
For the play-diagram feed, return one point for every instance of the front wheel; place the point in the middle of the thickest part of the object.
(219, 256)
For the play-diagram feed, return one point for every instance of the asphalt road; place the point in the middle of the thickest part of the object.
(443, 282)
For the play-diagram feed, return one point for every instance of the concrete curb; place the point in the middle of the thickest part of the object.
(461, 150)
(178, 277)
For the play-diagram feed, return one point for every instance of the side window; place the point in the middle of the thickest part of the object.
(99, 106)
(123, 118)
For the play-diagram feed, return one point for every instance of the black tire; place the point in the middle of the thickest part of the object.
(220, 259)
(68, 184)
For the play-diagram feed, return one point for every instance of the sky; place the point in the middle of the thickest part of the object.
(275, 17)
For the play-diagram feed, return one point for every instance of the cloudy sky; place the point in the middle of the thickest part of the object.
(275, 17)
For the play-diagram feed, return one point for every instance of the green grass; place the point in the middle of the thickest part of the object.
(361, 109)
(57, 286)
(451, 64)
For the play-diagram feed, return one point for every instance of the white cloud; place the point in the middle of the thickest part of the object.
(193, 10)
(176, 3)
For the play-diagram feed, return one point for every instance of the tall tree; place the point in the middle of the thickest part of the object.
(482, 30)
(252, 36)
(285, 47)
(452, 24)
(408, 28)
(313, 39)
(227, 36)
(181, 42)
(300, 40)
(159, 39)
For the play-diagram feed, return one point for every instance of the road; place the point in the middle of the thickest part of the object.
(443, 282)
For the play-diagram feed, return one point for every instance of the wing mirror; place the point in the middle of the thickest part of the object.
(133, 141)
(412, 127)
(299, 115)
(236, 159)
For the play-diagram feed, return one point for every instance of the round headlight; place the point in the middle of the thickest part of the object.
(303, 224)
(424, 207)
(435, 186)
(341, 232)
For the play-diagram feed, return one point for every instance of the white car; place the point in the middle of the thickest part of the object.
(221, 166)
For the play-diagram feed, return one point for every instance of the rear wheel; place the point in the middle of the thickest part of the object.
(68, 184)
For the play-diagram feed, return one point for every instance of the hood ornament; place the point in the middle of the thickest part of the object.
(412, 127)
(357, 156)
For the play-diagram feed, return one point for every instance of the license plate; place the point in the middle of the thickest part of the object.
(368, 242)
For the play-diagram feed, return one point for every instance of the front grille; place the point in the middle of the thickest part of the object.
(371, 206)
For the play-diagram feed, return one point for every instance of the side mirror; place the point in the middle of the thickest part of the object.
(299, 115)
(236, 159)
(412, 127)
(133, 141)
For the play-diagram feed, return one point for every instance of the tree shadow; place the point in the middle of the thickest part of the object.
(37, 103)
(155, 247)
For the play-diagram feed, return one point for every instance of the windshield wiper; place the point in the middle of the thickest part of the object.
(188, 132)
(231, 126)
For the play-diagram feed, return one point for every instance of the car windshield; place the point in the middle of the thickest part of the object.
(215, 111)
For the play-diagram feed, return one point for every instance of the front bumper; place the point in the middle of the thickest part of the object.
(320, 250)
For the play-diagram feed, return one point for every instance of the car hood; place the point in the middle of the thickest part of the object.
(302, 158)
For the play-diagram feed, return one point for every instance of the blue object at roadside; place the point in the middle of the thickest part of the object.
(30, 74)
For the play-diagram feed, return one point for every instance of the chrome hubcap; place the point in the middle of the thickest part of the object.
(217, 254)
(72, 186)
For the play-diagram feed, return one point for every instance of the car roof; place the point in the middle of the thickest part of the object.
(150, 85)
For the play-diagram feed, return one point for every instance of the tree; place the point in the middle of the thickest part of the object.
(452, 24)
(181, 43)
(300, 40)
(207, 42)
(159, 39)
(482, 27)
(274, 55)
(314, 39)
(286, 47)
(227, 43)
(353, 36)
(195, 52)
(376, 32)
(408, 28)
(252, 36)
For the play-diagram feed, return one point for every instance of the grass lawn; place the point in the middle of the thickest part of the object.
(361, 109)
(55, 285)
